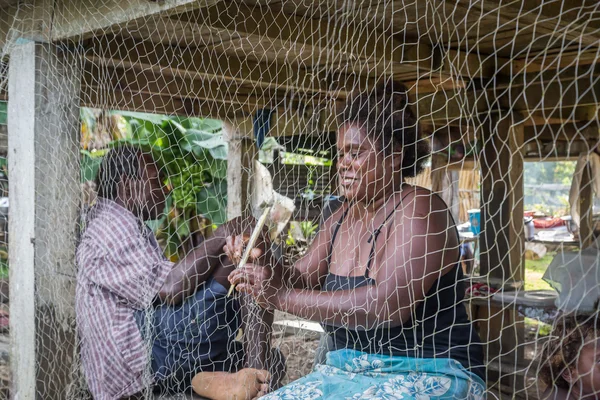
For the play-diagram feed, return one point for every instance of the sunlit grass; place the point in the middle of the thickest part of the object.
(534, 270)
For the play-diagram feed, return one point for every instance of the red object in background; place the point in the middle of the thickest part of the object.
(546, 223)
(528, 213)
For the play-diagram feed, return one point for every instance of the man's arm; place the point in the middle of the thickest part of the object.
(200, 263)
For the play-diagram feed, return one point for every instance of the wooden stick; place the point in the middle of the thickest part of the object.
(252, 241)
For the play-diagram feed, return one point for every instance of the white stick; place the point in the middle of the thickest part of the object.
(252, 241)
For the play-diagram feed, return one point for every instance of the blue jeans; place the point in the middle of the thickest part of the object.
(197, 335)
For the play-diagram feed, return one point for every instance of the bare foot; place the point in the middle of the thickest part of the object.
(246, 384)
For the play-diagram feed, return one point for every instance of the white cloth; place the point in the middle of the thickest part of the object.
(576, 278)
(594, 161)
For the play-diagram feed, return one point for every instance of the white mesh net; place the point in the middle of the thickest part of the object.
(435, 166)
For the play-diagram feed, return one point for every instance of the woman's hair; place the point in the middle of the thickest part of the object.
(386, 116)
(569, 334)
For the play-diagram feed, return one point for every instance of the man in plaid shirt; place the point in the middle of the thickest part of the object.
(143, 320)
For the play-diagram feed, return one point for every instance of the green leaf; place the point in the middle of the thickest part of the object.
(212, 202)
(198, 141)
(128, 115)
(182, 227)
(90, 163)
(3, 113)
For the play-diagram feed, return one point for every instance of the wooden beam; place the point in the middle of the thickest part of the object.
(45, 196)
(84, 17)
(204, 63)
(581, 92)
(548, 18)
(331, 40)
(105, 98)
(231, 94)
(538, 62)
(471, 64)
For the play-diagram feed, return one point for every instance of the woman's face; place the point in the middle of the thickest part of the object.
(364, 172)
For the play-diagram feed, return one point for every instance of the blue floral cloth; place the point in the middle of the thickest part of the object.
(354, 375)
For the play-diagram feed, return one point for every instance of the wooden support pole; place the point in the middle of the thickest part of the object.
(43, 127)
(444, 182)
(502, 244)
(240, 159)
(586, 201)
(502, 236)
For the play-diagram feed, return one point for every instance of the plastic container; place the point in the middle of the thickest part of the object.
(529, 228)
(475, 220)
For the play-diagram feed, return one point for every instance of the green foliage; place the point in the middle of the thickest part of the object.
(3, 113)
(185, 185)
(309, 229)
(90, 163)
(559, 172)
(193, 156)
(547, 186)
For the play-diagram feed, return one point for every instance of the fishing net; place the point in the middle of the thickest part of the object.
(489, 106)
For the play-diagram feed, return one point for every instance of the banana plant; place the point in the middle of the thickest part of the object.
(193, 156)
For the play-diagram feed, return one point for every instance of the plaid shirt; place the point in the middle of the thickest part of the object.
(121, 270)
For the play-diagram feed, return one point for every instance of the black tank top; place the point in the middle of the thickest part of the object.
(440, 327)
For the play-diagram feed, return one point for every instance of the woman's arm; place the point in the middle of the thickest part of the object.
(423, 247)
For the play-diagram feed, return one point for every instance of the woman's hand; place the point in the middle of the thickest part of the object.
(234, 248)
(263, 283)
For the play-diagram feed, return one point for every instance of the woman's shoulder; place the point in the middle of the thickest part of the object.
(421, 201)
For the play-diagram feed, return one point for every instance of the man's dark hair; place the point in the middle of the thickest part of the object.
(387, 117)
(118, 163)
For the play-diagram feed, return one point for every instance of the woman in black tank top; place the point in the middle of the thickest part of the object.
(382, 274)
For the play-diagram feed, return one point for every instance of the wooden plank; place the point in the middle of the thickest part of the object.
(546, 18)
(102, 97)
(332, 40)
(232, 95)
(541, 61)
(204, 63)
(81, 18)
(43, 77)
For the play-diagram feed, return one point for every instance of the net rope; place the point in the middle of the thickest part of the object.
(488, 108)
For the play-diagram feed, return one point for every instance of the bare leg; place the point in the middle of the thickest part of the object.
(246, 384)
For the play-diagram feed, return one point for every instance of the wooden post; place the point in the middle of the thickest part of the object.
(444, 182)
(43, 127)
(586, 201)
(502, 235)
(240, 162)
(241, 155)
(502, 245)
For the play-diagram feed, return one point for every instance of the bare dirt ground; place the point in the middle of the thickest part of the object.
(299, 354)
(298, 349)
